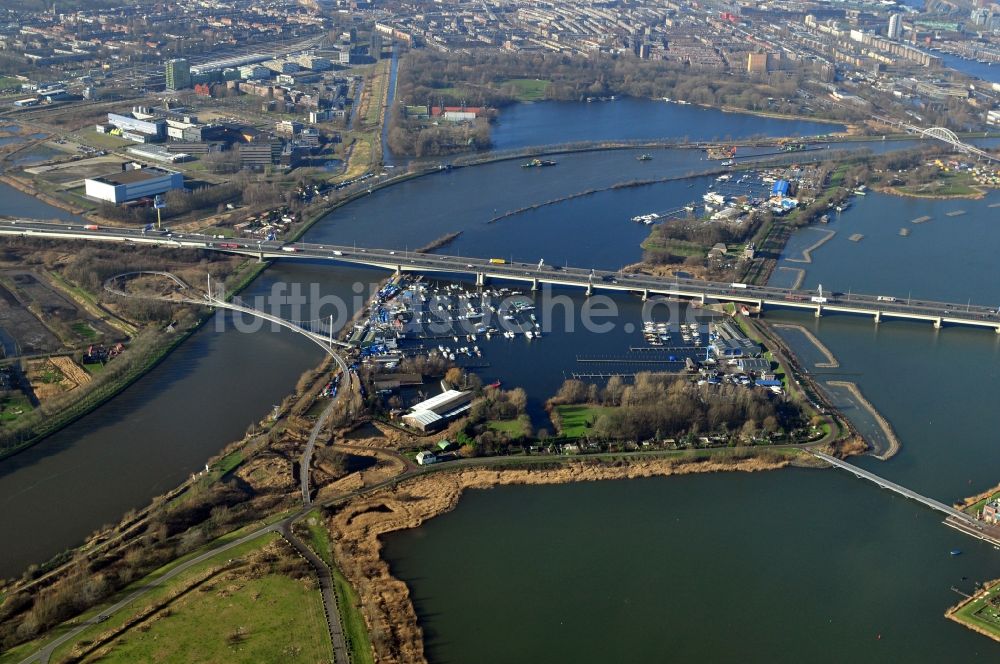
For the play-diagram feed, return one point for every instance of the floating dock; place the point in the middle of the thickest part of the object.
(921, 220)
(856, 237)
(955, 213)
(904, 232)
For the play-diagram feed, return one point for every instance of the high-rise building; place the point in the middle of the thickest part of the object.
(757, 63)
(178, 74)
(895, 26)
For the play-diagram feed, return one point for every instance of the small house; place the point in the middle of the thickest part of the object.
(426, 457)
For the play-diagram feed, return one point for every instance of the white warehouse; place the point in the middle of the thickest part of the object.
(133, 184)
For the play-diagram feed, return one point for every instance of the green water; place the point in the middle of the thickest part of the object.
(791, 566)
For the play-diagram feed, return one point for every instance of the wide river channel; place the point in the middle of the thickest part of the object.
(779, 566)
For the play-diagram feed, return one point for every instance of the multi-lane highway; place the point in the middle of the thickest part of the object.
(878, 306)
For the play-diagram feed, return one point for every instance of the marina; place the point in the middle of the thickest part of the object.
(406, 316)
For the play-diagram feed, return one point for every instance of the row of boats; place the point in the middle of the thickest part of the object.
(657, 334)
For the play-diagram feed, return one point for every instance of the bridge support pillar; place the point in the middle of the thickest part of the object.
(480, 278)
(937, 323)
(645, 294)
(760, 307)
(878, 317)
(590, 289)
(998, 329)
(260, 257)
(534, 284)
(819, 310)
(701, 298)
(399, 269)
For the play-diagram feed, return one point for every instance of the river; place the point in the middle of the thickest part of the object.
(664, 565)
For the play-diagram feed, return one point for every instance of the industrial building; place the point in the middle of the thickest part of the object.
(140, 125)
(436, 412)
(132, 184)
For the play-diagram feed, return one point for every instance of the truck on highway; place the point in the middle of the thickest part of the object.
(885, 298)
(498, 261)
(338, 253)
(289, 249)
(818, 299)
(92, 227)
(737, 285)
(228, 245)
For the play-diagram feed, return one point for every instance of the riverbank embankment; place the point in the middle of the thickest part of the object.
(359, 525)
(807, 252)
(831, 360)
(883, 424)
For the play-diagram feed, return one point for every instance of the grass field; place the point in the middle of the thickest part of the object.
(528, 89)
(360, 159)
(983, 612)
(676, 247)
(513, 428)
(576, 419)
(158, 594)
(102, 141)
(205, 615)
(945, 184)
(270, 619)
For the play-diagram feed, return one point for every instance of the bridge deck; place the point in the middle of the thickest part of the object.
(879, 307)
(892, 486)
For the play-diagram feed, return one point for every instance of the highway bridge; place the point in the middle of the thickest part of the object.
(879, 307)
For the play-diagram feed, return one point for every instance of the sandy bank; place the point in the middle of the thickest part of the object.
(357, 528)
(831, 360)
